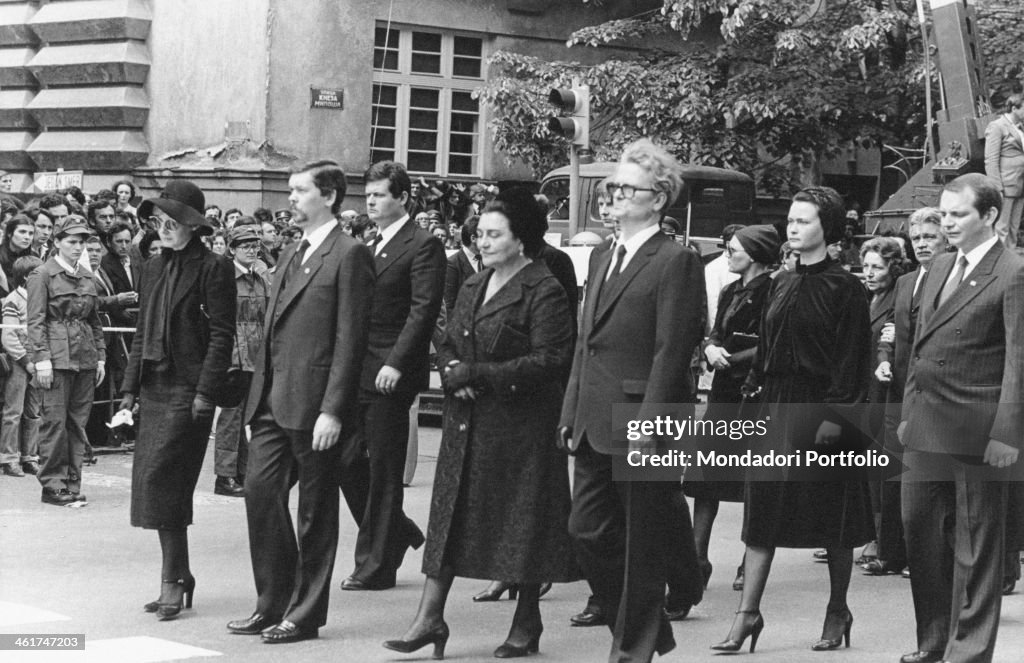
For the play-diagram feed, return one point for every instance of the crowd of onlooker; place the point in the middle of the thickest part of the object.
(118, 245)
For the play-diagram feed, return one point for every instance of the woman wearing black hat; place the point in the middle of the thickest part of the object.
(730, 352)
(500, 506)
(812, 363)
(180, 355)
(66, 343)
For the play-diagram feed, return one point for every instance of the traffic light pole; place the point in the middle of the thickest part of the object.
(574, 190)
(574, 101)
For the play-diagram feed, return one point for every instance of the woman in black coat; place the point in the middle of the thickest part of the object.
(812, 366)
(730, 352)
(179, 359)
(883, 262)
(501, 499)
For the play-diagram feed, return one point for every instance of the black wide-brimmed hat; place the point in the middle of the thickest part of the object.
(184, 202)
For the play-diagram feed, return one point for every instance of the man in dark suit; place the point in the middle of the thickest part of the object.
(1004, 163)
(962, 428)
(642, 321)
(410, 266)
(303, 410)
(123, 272)
(463, 264)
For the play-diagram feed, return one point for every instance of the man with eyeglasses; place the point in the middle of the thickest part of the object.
(231, 446)
(642, 321)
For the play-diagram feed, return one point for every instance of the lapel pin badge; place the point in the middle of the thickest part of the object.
(307, 270)
(974, 283)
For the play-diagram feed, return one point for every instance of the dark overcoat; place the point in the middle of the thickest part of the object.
(200, 332)
(500, 507)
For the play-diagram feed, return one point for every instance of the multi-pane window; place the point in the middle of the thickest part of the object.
(423, 111)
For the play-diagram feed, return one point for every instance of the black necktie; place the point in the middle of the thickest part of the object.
(620, 256)
(296, 262)
(954, 282)
(479, 260)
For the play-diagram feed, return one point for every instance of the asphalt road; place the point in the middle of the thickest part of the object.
(86, 571)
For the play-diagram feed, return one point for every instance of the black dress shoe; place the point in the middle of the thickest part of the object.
(286, 632)
(922, 657)
(589, 617)
(1008, 585)
(253, 625)
(228, 487)
(877, 567)
(57, 497)
(351, 584)
(30, 467)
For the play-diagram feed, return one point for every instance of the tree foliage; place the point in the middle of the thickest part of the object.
(783, 81)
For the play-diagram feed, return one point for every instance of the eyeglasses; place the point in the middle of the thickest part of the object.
(170, 225)
(627, 191)
(248, 246)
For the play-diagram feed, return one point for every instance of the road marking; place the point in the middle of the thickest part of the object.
(14, 614)
(137, 649)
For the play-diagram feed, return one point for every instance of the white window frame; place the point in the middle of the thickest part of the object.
(445, 82)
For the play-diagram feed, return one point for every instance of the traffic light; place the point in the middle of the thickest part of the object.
(574, 101)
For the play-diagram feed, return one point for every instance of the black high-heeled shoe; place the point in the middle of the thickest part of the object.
(545, 587)
(168, 611)
(753, 630)
(494, 592)
(509, 650)
(437, 636)
(843, 621)
(153, 606)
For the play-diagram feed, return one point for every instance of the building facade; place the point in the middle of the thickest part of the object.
(231, 93)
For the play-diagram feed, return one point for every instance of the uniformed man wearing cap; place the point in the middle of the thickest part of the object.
(231, 447)
(65, 340)
(283, 217)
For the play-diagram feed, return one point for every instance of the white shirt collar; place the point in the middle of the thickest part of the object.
(317, 237)
(632, 245)
(242, 268)
(977, 253)
(387, 233)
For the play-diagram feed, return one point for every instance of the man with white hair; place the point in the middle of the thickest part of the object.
(642, 321)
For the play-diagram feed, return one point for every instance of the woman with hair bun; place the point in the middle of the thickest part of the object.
(500, 507)
(812, 364)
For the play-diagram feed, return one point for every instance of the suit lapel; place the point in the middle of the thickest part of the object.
(635, 266)
(595, 284)
(187, 278)
(881, 307)
(972, 285)
(395, 248)
(305, 273)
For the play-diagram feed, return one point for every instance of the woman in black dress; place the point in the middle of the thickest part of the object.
(179, 359)
(730, 352)
(500, 507)
(813, 363)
